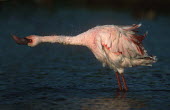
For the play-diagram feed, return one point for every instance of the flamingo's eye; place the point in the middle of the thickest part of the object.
(30, 40)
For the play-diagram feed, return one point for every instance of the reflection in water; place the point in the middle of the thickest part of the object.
(119, 102)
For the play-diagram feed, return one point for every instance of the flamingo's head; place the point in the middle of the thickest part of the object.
(32, 40)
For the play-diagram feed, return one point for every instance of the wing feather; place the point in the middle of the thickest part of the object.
(124, 40)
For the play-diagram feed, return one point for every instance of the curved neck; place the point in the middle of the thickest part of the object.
(68, 40)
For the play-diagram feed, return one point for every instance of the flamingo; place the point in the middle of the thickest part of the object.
(115, 46)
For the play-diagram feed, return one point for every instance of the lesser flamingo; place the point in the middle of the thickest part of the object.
(115, 46)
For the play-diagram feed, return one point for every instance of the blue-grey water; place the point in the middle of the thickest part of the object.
(60, 77)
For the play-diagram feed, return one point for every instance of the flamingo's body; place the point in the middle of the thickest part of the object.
(115, 46)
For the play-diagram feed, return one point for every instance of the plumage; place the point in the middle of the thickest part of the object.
(121, 47)
(115, 46)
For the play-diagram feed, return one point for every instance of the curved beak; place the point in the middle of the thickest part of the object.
(21, 41)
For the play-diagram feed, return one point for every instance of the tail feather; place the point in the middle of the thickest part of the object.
(145, 61)
(131, 28)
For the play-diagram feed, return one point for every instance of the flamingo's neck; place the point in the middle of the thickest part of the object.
(68, 40)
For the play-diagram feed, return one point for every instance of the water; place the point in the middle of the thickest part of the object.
(59, 77)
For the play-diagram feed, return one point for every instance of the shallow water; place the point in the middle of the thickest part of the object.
(58, 77)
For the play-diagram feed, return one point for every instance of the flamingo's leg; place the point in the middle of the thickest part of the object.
(124, 82)
(118, 81)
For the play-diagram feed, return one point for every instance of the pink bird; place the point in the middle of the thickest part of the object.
(115, 46)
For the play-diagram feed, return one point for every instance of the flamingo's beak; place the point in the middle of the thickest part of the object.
(21, 41)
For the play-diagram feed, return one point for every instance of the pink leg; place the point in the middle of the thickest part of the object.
(118, 80)
(124, 82)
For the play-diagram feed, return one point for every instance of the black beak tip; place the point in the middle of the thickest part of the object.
(20, 41)
(15, 38)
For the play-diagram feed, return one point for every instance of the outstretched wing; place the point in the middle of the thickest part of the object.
(123, 40)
